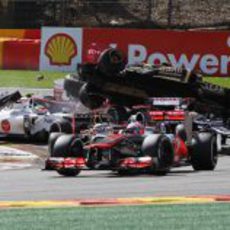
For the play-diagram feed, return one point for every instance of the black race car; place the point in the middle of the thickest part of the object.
(114, 81)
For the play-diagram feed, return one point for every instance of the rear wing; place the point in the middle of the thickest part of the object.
(165, 101)
(9, 98)
(177, 115)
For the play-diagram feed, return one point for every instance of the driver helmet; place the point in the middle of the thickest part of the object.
(135, 128)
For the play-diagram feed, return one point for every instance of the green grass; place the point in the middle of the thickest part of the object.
(28, 79)
(191, 216)
(222, 81)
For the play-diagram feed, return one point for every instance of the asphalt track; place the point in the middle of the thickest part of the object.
(34, 184)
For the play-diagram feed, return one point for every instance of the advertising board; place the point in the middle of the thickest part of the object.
(206, 51)
(61, 48)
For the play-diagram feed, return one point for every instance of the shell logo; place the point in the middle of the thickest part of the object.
(60, 49)
(6, 126)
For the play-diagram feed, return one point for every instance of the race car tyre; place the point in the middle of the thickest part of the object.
(52, 139)
(127, 172)
(72, 172)
(118, 114)
(76, 147)
(181, 132)
(111, 62)
(160, 148)
(61, 126)
(40, 137)
(89, 96)
(72, 86)
(204, 153)
(67, 145)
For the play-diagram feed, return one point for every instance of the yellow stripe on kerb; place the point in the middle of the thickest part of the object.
(118, 201)
(166, 200)
(36, 204)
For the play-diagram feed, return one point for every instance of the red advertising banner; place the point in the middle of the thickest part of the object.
(32, 33)
(20, 33)
(208, 51)
(21, 54)
(19, 48)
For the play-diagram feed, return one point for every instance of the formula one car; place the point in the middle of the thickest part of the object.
(35, 117)
(155, 148)
(214, 124)
(110, 79)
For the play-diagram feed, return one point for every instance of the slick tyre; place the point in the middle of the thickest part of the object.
(61, 126)
(72, 86)
(160, 148)
(51, 141)
(67, 145)
(40, 137)
(90, 96)
(72, 172)
(204, 153)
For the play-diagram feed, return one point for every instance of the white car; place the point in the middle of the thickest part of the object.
(31, 117)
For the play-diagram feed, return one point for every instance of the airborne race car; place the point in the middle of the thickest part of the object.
(156, 148)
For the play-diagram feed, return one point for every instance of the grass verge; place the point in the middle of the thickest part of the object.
(28, 79)
(186, 216)
(221, 81)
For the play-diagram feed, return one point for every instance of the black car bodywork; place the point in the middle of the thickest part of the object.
(111, 80)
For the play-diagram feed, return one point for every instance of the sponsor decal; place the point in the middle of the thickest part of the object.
(63, 48)
(6, 126)
(60, 49)
(207, 51)
(208, 63)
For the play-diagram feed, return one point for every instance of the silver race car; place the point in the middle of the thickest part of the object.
(33, 118)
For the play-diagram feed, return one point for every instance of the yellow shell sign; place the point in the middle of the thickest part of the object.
(60, 49)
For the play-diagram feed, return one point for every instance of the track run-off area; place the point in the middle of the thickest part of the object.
(34, 184)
